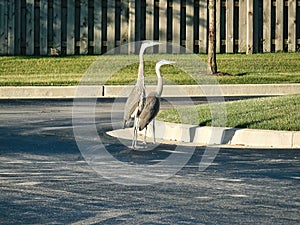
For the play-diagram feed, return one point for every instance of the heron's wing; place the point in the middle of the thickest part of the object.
(132, 102)
(149, 112)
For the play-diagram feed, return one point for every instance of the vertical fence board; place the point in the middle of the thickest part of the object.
(30, 27)
(83, 42)
(23, 28)
(36, 33)
(131, 26)
(203, 25)
(249, 27)
(292, 35)
(255, 30)
(43, 27)
(163, 5)
(267, 37)
(57, 25)
(110, 25)
(190, 36)
(50, 24)
(175, 25)
(64, 27)
(150, 20)
(229, 26)
(242, 26)
(11, 28)
(90, 18)
(71, 27)
(3, 28)
(97, 27)
(279, 26)
(124, 25)
(17, 28)
(218, 26)
(138, 18)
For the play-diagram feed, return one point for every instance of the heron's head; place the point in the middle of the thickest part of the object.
(161, 63)
(164, 62)
(149, 43)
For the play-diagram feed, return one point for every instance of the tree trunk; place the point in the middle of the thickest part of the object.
(212, 62)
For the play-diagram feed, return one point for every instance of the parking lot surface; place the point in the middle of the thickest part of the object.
(44, 178)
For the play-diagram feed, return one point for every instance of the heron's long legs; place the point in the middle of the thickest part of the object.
(135, 127)
(145, 135)
(153, 129)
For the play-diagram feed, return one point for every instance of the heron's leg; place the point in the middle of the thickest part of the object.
(145, 135)
(134, 140)
(153, 128)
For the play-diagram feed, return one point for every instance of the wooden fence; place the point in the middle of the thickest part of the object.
(42, 27)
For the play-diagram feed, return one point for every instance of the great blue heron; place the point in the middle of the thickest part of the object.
(152, 104)
(136, 99)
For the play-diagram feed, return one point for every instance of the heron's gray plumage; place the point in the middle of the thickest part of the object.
(150, 110)
(152, 104)
(136, 99)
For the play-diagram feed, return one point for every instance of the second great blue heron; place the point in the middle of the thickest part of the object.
(152, 104)
(136, 99)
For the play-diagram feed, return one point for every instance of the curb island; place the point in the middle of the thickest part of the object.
(214, 136)
(177, 132)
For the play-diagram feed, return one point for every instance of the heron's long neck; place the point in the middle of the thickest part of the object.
(159, 87)
(141, 65)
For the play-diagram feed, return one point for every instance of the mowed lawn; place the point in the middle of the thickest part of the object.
(243, 69)
(275, 113)
(270, 113)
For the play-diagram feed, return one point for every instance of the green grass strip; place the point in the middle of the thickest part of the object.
(269, 113)
(245, 69)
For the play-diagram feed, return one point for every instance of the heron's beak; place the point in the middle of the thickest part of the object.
(156, 43)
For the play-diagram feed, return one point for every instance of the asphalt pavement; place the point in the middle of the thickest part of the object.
(45, 178)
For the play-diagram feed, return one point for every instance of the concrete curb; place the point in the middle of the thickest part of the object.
(41, 92)
(249, 138)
